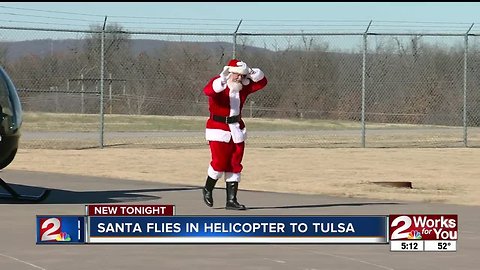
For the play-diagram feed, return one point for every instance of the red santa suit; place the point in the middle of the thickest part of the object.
(227, 139)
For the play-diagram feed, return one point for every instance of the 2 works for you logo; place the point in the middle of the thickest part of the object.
(60, 229)
(423, 227)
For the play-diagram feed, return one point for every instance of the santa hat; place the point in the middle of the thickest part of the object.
(237, 66)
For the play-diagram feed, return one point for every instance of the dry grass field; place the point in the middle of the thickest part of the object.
(444, 175)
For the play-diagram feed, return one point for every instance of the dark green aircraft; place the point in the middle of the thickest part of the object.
(11, 120)
(10, 125)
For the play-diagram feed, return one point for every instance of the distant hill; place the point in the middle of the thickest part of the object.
(45, 47)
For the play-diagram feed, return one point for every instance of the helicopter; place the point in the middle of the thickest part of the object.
(11, 118)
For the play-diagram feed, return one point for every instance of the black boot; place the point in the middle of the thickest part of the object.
(208, 191)
(232, 204)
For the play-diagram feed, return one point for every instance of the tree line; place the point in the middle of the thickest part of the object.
(411, 82)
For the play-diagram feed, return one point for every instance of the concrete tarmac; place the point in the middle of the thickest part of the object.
(70, 194)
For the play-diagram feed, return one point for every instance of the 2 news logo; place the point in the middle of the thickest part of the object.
(60, 229)
(423, 227)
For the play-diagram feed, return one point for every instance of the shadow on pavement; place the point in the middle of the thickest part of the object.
(61, 196)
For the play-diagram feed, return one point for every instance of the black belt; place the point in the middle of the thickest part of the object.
(227, 120)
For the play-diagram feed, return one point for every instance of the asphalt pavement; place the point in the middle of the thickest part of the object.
(70, 194)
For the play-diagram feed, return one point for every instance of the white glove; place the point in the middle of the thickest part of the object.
(255, 74)
(243, 65)
(224, 75)
(250, 73)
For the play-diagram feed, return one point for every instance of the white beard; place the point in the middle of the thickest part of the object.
(235, 86)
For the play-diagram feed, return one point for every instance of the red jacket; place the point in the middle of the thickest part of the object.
(226, 104)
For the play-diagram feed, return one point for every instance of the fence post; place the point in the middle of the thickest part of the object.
(251, 108)
(465, 57)
(82, 91)
(234, 51)
(57, 98)
(102, 115)
(364, 70)
(110, 93)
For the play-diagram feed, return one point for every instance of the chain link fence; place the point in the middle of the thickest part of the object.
(99, 88)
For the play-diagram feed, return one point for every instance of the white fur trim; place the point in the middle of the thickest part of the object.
(237, 133)
(214, 174)
(256, 75)
(232, 177)
(218, 135)
(241, 68)
(234, 103)
(218, 86)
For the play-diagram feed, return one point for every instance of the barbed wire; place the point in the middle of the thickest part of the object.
(150, 23)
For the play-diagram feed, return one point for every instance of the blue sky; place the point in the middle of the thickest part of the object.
(261, 16)
(417, 11)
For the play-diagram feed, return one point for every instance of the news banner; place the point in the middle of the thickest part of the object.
(158, 224)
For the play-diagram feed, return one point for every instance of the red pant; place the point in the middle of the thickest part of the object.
(227, 157)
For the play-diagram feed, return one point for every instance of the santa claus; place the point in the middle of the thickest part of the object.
(225, 129)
